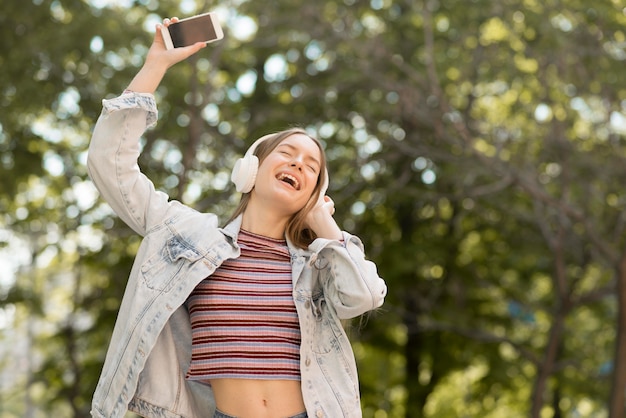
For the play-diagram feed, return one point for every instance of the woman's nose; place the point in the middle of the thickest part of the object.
(297, 163)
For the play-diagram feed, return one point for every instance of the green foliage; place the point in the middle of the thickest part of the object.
(477, 147)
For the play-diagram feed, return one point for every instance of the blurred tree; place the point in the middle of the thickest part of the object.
(509, 165)
(69, 260)
(476, 146)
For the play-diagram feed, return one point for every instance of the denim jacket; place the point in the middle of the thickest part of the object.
(150, 348)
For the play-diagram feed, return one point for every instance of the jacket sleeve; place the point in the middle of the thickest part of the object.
(112, 161)
(350, 281)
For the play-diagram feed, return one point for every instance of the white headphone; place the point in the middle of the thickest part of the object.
(246, 168)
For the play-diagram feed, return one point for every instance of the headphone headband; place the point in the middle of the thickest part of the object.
(256, 144)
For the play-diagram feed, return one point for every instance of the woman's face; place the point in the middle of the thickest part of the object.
(288, 175)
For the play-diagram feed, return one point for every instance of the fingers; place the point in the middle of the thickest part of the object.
(320, 220)
(166, 22)
(329, 204)
(188, 51)
(169, 21)
(175, 55)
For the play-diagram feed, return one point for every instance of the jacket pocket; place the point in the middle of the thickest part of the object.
(325, 338)
(160, 271)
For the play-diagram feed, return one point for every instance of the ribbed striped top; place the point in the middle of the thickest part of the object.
(243, 318)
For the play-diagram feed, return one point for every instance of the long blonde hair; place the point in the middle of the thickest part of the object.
(296, 230)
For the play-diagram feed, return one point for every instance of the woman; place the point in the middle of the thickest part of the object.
(241, 321)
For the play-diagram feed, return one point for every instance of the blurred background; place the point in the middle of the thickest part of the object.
(477, 147)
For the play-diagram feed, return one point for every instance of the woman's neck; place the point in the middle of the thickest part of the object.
(264, 222)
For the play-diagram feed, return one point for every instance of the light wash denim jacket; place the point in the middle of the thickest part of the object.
(150, 348)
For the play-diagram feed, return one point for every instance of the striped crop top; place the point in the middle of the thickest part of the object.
(243, 318)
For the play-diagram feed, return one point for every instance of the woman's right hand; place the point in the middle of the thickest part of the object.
(159, 60)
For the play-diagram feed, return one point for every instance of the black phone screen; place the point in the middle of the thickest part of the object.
(191, 31)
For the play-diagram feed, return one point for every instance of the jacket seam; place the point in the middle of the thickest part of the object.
(118, 175)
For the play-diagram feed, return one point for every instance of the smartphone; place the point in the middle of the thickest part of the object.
(188, 31)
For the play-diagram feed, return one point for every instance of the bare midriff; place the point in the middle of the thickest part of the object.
(249, 398)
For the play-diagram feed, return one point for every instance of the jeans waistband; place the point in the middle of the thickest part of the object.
(220, 414)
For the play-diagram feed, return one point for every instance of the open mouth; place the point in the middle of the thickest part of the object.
(289, 179)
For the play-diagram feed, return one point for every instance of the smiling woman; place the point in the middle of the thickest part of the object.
(251, 311)
(288, 153)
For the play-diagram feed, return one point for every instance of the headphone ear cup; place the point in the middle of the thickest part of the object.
(244, 173)
(323, 189)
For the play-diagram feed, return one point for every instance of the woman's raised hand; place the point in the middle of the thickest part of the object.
(159, 60)
(320, 219)
(160, 55)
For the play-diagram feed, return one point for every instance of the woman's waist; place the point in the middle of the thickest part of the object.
(258, 397)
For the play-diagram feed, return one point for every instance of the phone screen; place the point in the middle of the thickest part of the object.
(190, 31)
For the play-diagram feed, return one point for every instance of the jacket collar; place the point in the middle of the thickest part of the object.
(232, 229)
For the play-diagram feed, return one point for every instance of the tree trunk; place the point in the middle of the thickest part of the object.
(544, 370)
(416, 394)
(616, 404)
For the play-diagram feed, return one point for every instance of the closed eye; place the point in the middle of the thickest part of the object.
(288, 150)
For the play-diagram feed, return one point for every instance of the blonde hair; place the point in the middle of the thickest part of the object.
(296, 230)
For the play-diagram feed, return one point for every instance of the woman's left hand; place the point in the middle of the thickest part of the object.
(320, 220)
